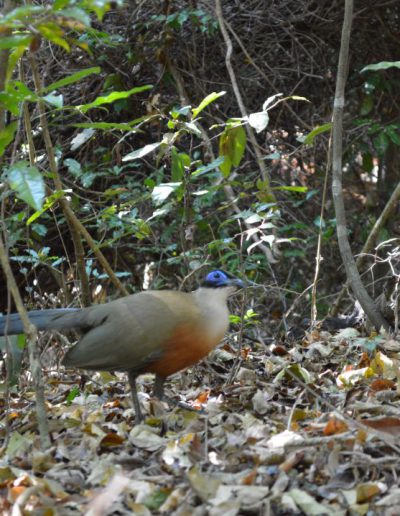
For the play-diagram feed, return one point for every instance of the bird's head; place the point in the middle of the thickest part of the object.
(221, 279)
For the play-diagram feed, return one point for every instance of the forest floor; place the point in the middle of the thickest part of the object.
(307, 427)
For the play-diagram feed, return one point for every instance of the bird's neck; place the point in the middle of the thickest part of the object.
(215, 295)
(212, 302)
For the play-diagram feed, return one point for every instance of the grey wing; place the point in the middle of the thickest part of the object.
(124, 335)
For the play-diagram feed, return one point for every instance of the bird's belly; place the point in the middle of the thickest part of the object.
(183, 349)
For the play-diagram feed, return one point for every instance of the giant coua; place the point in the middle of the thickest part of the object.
(159, 332)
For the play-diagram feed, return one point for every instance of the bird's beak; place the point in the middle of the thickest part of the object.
(235, 282)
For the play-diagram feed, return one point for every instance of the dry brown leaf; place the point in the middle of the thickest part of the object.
(335, 426)
(381, 384)
(388, 425)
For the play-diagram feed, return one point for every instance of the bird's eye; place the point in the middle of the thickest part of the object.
(217, 275)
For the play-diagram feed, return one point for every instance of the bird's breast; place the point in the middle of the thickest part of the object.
(185, 347)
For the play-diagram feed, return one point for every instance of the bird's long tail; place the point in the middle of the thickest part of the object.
(53, 319)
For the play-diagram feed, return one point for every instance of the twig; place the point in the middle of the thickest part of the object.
(76, 227)
(31, 337)
(239, 99)
(371, 240)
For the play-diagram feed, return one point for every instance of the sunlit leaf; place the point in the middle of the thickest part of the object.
(270, 100)
(54, 100)
(259, 121)
(81, 138)
(301, 189)
(112, 97)
(75, 77)
(207, 168)
(309, 138)
(206, 101)
(161, 192)
(49, 203)
(383, 65)
(143, 151)
(52, 32)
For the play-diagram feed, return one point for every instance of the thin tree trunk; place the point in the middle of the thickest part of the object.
(353, 276)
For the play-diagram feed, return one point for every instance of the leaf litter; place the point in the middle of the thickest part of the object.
(306, 427)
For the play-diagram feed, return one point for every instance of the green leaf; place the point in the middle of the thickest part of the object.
(52, 32)
(112, 97)
(207, 168)
(74, 167)
(192, 128)
(49, 203)
(383, 65)
(301, 189)
(177, 165)
(73, 393)
(18, 40)
(27, 182)
(318, 130)
(7, 135)
(139, 153)
(367, 162)
(366, 105)
(232, 145)
(297, 97)
(15, 56)
(206, 101)
(381, 143)
(75, 77)
(106, 126)
(393, 134)
(16, 92)
(293, 252)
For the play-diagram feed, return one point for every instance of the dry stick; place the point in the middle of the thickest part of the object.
(318, 258)
(337, 128)
(57, 275)
(78, 246)
(265, 76)
(76, 227)
(263, 170)
(230, 194)
(31, 336)
(238, 95)
(27, 121)
(371, 241)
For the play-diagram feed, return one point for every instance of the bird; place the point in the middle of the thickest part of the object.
(154, 331)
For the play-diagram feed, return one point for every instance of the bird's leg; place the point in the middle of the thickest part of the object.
(158, 389)
(136, 405)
